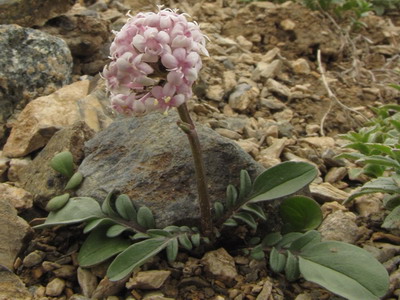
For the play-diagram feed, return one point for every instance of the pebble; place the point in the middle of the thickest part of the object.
(265, 70)
(340, 226)
(335, 174)
(326, 192)
(215, 92)
(87, 281)
(278, 88)
(148, 280)
(55, 287)
(300, 66)
(220, 265)
(16, 167)
(34, 258)
(288, 25)
(228, 133)
(18, 197)
(367, 205)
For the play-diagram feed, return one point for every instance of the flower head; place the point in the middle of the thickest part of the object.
(155, 61)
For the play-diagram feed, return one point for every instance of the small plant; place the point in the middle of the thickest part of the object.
(155, 60)
(378, 151)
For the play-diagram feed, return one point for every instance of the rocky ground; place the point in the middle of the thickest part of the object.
(264, 90)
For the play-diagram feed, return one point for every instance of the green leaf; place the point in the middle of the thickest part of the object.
(381, 184)
(308, 238)
(380, 160)
(107, 208)
(135, 256)
(301, 213)
(281, 180)
(125, 208)
(245, 185)
(255, 209)
(158, 232)
(139, 236)
(57, 202)
(145, 217)
(345, 270)
(271, 239)
(63, 163)
(92, 224)
(230, 222)
(277, 261)
(77, 210)
(292, 270)
(116, 230)
(98, 248)
(246, 218)
(185, 241)
(257, 253)
(219, 209)
(231, 196)
(74, 181)
(195, 238)
(172, 228)
(172, 250)
(287, 239)
(392, 220)
(391, 201)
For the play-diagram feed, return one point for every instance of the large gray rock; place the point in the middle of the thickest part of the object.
(32, 64)
(32, 12)
(149, 159)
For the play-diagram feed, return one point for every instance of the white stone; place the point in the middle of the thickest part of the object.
(278, 88)
(288, 25)
(19, 198)
(267, 70)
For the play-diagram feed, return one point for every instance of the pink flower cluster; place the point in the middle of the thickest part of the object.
(155, 61)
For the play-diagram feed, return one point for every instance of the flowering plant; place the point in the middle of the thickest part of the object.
(155, 61)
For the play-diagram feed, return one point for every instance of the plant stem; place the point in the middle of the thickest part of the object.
(204, 200)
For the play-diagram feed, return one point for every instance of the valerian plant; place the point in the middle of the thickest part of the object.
(155, 61)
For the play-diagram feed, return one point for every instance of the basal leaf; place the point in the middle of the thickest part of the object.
(392, 220)
(230, 222)
(125, 207)
(344, 269)
(63, 163)
(93, 224)
(135, 256)
(231, 196)
(301, 213)
(246, 218)
(116, 230)
(255, 210)
(145, 217)
(218, 209)
(271, 239)
(185, 241)
(277, 260)
(107, 207)
(74, 181)
(257, 253)
(172, 250)
(158, 232)
(57, 202)
(245, 185)
(282, 180)
(292, 270)
(98, 248)
(308, 238)
(195, 238)
(77, 210)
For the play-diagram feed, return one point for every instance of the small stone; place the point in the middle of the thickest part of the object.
(270, 156)
(244, 43)
(284, 116)
(266, 291)
(272, 103)
(228, 133)
(55, 287)
(215, 92)
(312, 129)
(335, 174)
(18, 197)
(288, 25)
(243, 96)
(325, 192)
(270, 55)
(65, 271)
(16, 166)
(220, 265)
(148, 280)
(278, 88)
(87, 281)
(34, 258)
(267, 70)
(300, 66)
(229, 80)
(367, 205)
(4, 166)
(304, 296)
(323, 142)
(340, 226)
(249, 146)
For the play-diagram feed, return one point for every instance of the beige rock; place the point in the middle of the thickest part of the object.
(266, 291)
(369, 204)
(13, 232)
(16, 167)
(278, 88)
(11, 287)
(87, 281)
(243, 96)
(4, 165)
(229, 80)
(270, 55)
(244, 43)
(249, 146)
(42, 117)
(230, 134)
(335, 174)
(284, 116)
(340, 226)
(323, 142)
(326, 192)
(215, 92)
(270, 156)
(55, 287)
(267, 70)
(34, 258)
(148, 280)
(220, 265)
(301, 66)
(288, 25)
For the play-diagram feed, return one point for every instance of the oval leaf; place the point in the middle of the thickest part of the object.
(145, 217)
(172, 250)
(345, 270)
(271, 239)
(125, 207)
(185, 241)
(245, 184)
(57, 202)
(219, 209)
(282, 180)
(277, 261)
(98, 248)
(93, 224)
(246, 218)
(301, 213)
(77, 210)
(107, 208)
(63, 163)
(231, 196)
(292, 270)
(255, 210)
(195, 238)
(74, 181)
(116, 230)
(135, 256)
